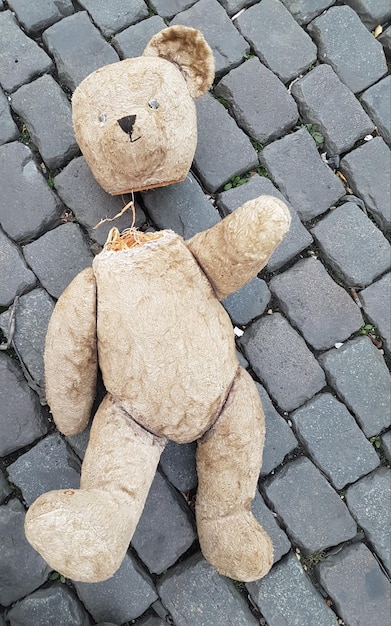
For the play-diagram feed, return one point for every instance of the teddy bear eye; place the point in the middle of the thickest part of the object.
(153, 104)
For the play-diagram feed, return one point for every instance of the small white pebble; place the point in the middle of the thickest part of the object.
(338, 344)
(237, 15)
(290, 423)
(238, 331)
(269, 312)
(368, 137)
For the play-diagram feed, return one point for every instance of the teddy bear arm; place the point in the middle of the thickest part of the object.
(71, 355)
(236, 249)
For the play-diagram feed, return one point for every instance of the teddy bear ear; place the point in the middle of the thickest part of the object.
(187, 48)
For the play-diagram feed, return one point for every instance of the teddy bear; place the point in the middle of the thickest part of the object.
(148, 314)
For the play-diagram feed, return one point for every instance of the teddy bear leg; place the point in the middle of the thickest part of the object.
(229, 459)
(85, 533)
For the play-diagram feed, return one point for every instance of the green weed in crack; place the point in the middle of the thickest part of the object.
(315, 134)
(57, 576)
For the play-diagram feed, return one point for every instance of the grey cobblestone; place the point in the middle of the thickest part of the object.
(369, 502)
(286, 596)
(300, 487)
(288, 56)
(22, 569)
(277, 353)
(334, 441)
(248, 302)
(219, 156)
(31, 321)
(377, 102)
(195, 595)
(294, 163)
(80, 441)
(147, 621)
(298, 237)
(279, 440)
(347, 239)
(51, 464)
(169, 8)
(281, 543)
(121, 598)
(352, 51)
(305, 10)
(371, 12)
(376, 303)
(386, 443)
(35, 207)
(8, 129)
(368, 170)
(58, 256)
(179, 465)
(48, 606)
(20, 57)
(110, 18)
(322, 310)
(360, 377)
(79, 190)
(233, 6)
(50, 126)
(366, 601)
(165, 530)
(183, 207)
(78, 48)
(36, 16)
(228, 46)
(5, 488)
(242, 360)
(21, 417)
(385, 40)
(15, 277)
(258, 100)
(132, 41)
(324, 100)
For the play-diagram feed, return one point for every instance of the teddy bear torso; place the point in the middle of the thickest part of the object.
(171, 379)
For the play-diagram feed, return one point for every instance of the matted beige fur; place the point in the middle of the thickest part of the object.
(135, 120)
(166, 350)
(247, 246)
(231, 538)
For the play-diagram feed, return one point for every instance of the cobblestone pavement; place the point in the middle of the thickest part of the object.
(300, 109)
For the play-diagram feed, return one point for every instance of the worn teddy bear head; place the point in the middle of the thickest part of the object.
(135, 120)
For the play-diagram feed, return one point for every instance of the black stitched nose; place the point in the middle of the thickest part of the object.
(127, 124)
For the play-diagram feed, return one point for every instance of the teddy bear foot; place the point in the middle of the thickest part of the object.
(81, 534)
(237, 546)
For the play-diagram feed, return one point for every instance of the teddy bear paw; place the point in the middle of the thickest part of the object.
(237, 546)
(78, 533)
